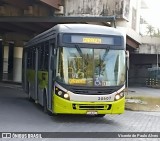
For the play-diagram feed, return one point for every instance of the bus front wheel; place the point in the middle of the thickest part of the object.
(29, 93)
(45, 103)
(45, 108)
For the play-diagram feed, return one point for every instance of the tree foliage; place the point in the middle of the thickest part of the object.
(150, 30)
(157, 33)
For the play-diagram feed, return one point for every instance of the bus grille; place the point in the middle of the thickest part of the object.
(91, 107)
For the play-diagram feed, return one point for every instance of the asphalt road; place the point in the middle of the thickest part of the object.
(17, 114)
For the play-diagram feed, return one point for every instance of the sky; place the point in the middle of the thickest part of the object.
(152, 15)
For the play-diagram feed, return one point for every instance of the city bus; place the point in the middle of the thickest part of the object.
(77, 69)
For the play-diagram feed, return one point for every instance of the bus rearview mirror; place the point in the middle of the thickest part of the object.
(127, 59)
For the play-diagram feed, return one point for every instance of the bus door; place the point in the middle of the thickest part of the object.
(36, 76)
(42, 71)
(32, 71)
(50, 73)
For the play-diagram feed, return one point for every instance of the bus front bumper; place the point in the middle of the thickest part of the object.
(62, 106)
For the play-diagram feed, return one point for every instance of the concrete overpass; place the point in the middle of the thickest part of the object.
(17, 26)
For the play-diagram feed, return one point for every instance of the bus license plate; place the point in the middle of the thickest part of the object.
(92, 113)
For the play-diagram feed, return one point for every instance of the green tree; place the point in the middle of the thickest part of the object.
(157, 33)
(150, 30)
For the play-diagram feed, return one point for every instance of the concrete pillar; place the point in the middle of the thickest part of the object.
(5, 63)
(1, 60)
(17, 64)
(10, 61)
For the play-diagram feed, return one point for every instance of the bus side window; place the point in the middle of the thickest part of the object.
(46, 59)
(39, 57)
(33, 58)
(28, 58)
(43, 58)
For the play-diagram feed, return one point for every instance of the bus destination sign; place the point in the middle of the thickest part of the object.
(92, 40)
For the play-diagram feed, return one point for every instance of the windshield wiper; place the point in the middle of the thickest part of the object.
(105, 54)
(79, 50)
(81, 54)
(100, 64)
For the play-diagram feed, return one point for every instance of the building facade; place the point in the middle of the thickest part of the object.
(22, 20)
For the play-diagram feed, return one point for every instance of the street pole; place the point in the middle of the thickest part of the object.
(157, 65)
(157, 56)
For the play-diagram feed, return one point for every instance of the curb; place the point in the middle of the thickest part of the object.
(11, 82)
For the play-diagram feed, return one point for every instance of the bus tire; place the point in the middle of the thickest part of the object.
(45, 109)
(44, 103)
(27, 88)
(29, 93)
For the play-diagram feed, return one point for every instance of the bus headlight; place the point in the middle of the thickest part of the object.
(66, 96)
(61, 93)
(119, 96)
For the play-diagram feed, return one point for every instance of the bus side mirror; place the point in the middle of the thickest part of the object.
(127, 59)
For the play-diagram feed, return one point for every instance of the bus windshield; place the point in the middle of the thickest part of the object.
(91, 66)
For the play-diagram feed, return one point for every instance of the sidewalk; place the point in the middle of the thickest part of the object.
(143, 99)
(143, 91)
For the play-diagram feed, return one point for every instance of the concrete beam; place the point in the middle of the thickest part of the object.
(18, 39)
(8, 27)
(16, 36)
(57, 19)
(53, 3)
(20, 4)
(132, 43)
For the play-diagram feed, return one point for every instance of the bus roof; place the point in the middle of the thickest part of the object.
(86, 28)
(78, 28)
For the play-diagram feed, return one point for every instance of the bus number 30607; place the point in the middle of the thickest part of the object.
(104, 98)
